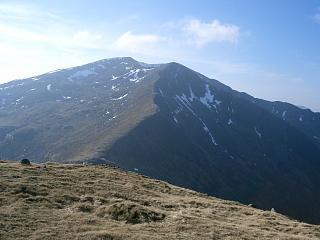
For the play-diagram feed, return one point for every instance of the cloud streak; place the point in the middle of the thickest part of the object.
(16, 12)
(138, 42)
(202, 33)
(316, 18)
(182, 34)
(35, 40)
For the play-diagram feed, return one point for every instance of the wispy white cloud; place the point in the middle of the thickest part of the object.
(316, 18)
(29, 23)
(70, 38)
(202, 33)
(15, 11)
(138, 42)
(181, 34)
(35, 40)
(87, 39)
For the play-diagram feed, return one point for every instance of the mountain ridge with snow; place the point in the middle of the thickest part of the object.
(171, 123)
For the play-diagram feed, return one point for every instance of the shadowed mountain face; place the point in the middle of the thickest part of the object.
(171, 123)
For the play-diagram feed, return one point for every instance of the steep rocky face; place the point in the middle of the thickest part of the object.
(171, 123)
(301, 118)
(209, 138)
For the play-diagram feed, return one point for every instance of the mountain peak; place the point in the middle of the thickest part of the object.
(126, 59)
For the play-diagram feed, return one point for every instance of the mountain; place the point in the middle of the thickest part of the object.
(58, 201)
(70, 113)
(171, 123)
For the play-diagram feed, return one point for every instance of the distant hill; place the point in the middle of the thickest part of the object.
(56, 201)
(171, 123)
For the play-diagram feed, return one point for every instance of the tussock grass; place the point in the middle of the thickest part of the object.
(56, 201)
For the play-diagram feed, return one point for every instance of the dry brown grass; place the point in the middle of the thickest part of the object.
(56, 201)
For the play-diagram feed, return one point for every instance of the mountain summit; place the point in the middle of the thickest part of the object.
(171, 123)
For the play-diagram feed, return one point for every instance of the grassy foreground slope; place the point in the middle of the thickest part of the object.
(56, 201)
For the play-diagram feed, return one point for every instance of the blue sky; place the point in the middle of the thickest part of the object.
(269, 49)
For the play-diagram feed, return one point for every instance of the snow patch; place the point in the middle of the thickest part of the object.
(147, 69)
(257, 132)
(8, 137)
(114, 88)
(49, 87)
(192, 96)
(230, 121)
(114, 117)
(54, 71)
(284, 115)
(229, 155)
(82, 73)
(300, 118)
(134, 76)
(207, 98)
(175, 119)
(114, 78)
(119, 98)
(19, 99)
(7, 87)
(218, 102)
(184, 101)
(178, 110)
(161, 92)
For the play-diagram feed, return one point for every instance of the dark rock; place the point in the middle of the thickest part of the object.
(25, 162)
